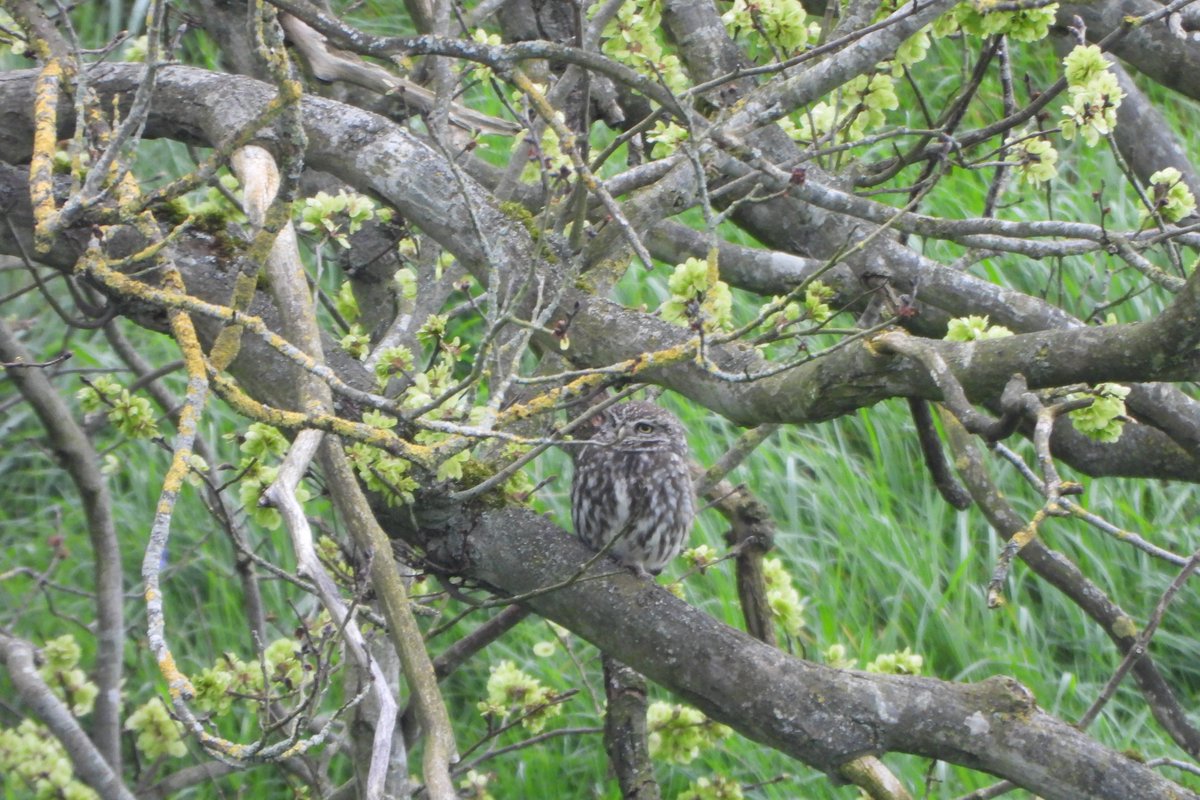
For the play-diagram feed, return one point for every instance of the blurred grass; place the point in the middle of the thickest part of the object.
(883, 562)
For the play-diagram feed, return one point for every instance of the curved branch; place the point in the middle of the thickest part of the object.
(374, 154)
(819, 715)
(90, 765)
(81, 462)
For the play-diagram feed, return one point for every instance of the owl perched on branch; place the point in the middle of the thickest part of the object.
(632, 487)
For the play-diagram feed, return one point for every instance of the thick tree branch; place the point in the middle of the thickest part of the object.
(822, 716)
(378, 156)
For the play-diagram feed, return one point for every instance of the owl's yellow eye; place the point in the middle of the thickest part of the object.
(643, 427)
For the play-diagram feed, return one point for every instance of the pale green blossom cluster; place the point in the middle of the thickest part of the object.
(1171, 197)
(698, 297)
(335, 217)
(815, 308)
(379, 470)
(718, 787)
(974, 328)
(158, 734)
(1035, 157)
(474, 786)
(482, 72)
(701, 556)
(217, 687)
(1094, 95)
(131, 415)
(11, 34)
(900, 662)
(260, 446)
(860, 105)
(678, 733)
(974, 19)
(669, 135)
(903, 662)
(62, 674)
(787, 606)
(511, 691)
(765, 24)
(835, 656)
(634, 37)
(553, 159)
(356, 341)
(1102, 420)
(913, 50)
(32, 756)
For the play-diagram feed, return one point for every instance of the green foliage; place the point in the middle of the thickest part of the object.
(1171, 197)
(137, 48)
(764, 25)
(1035, 158)
(132, 416)
(356, 342)
(346, 303)
(904, 662)
(835, 656)
(974, 328)
(698, 298)
(787, 606)
(260, 445)
(816, 302)
(336, 217)
(858, 108)
(380, 471)
(678, 734)
(262, 442)
(1094, 93)
(215, 208)
(976, 19)
(553, 160)
(1102, 420)
(405, 281)
(392, 362)
(474, 786)
(31, 755)
(11, 35)
(668, 136)
(513, 692)
(231, 683)
(62, 674)
(717, 787)
(634, 37)
(158, 735)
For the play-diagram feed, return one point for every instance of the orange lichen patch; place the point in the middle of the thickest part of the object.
(382, 438)
(297, 749)
(173, 480)
(630, 367)
(178, 684)
(41, 165)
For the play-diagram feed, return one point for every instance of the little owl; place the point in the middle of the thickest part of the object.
(632, 486)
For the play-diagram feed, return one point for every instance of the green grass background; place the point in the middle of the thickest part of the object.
(883, 563)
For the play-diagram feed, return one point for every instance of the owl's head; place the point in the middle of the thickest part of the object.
(640, 426)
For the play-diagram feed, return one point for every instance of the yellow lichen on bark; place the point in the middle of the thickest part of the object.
(384, 439)
(633, 366)
(41, 165)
